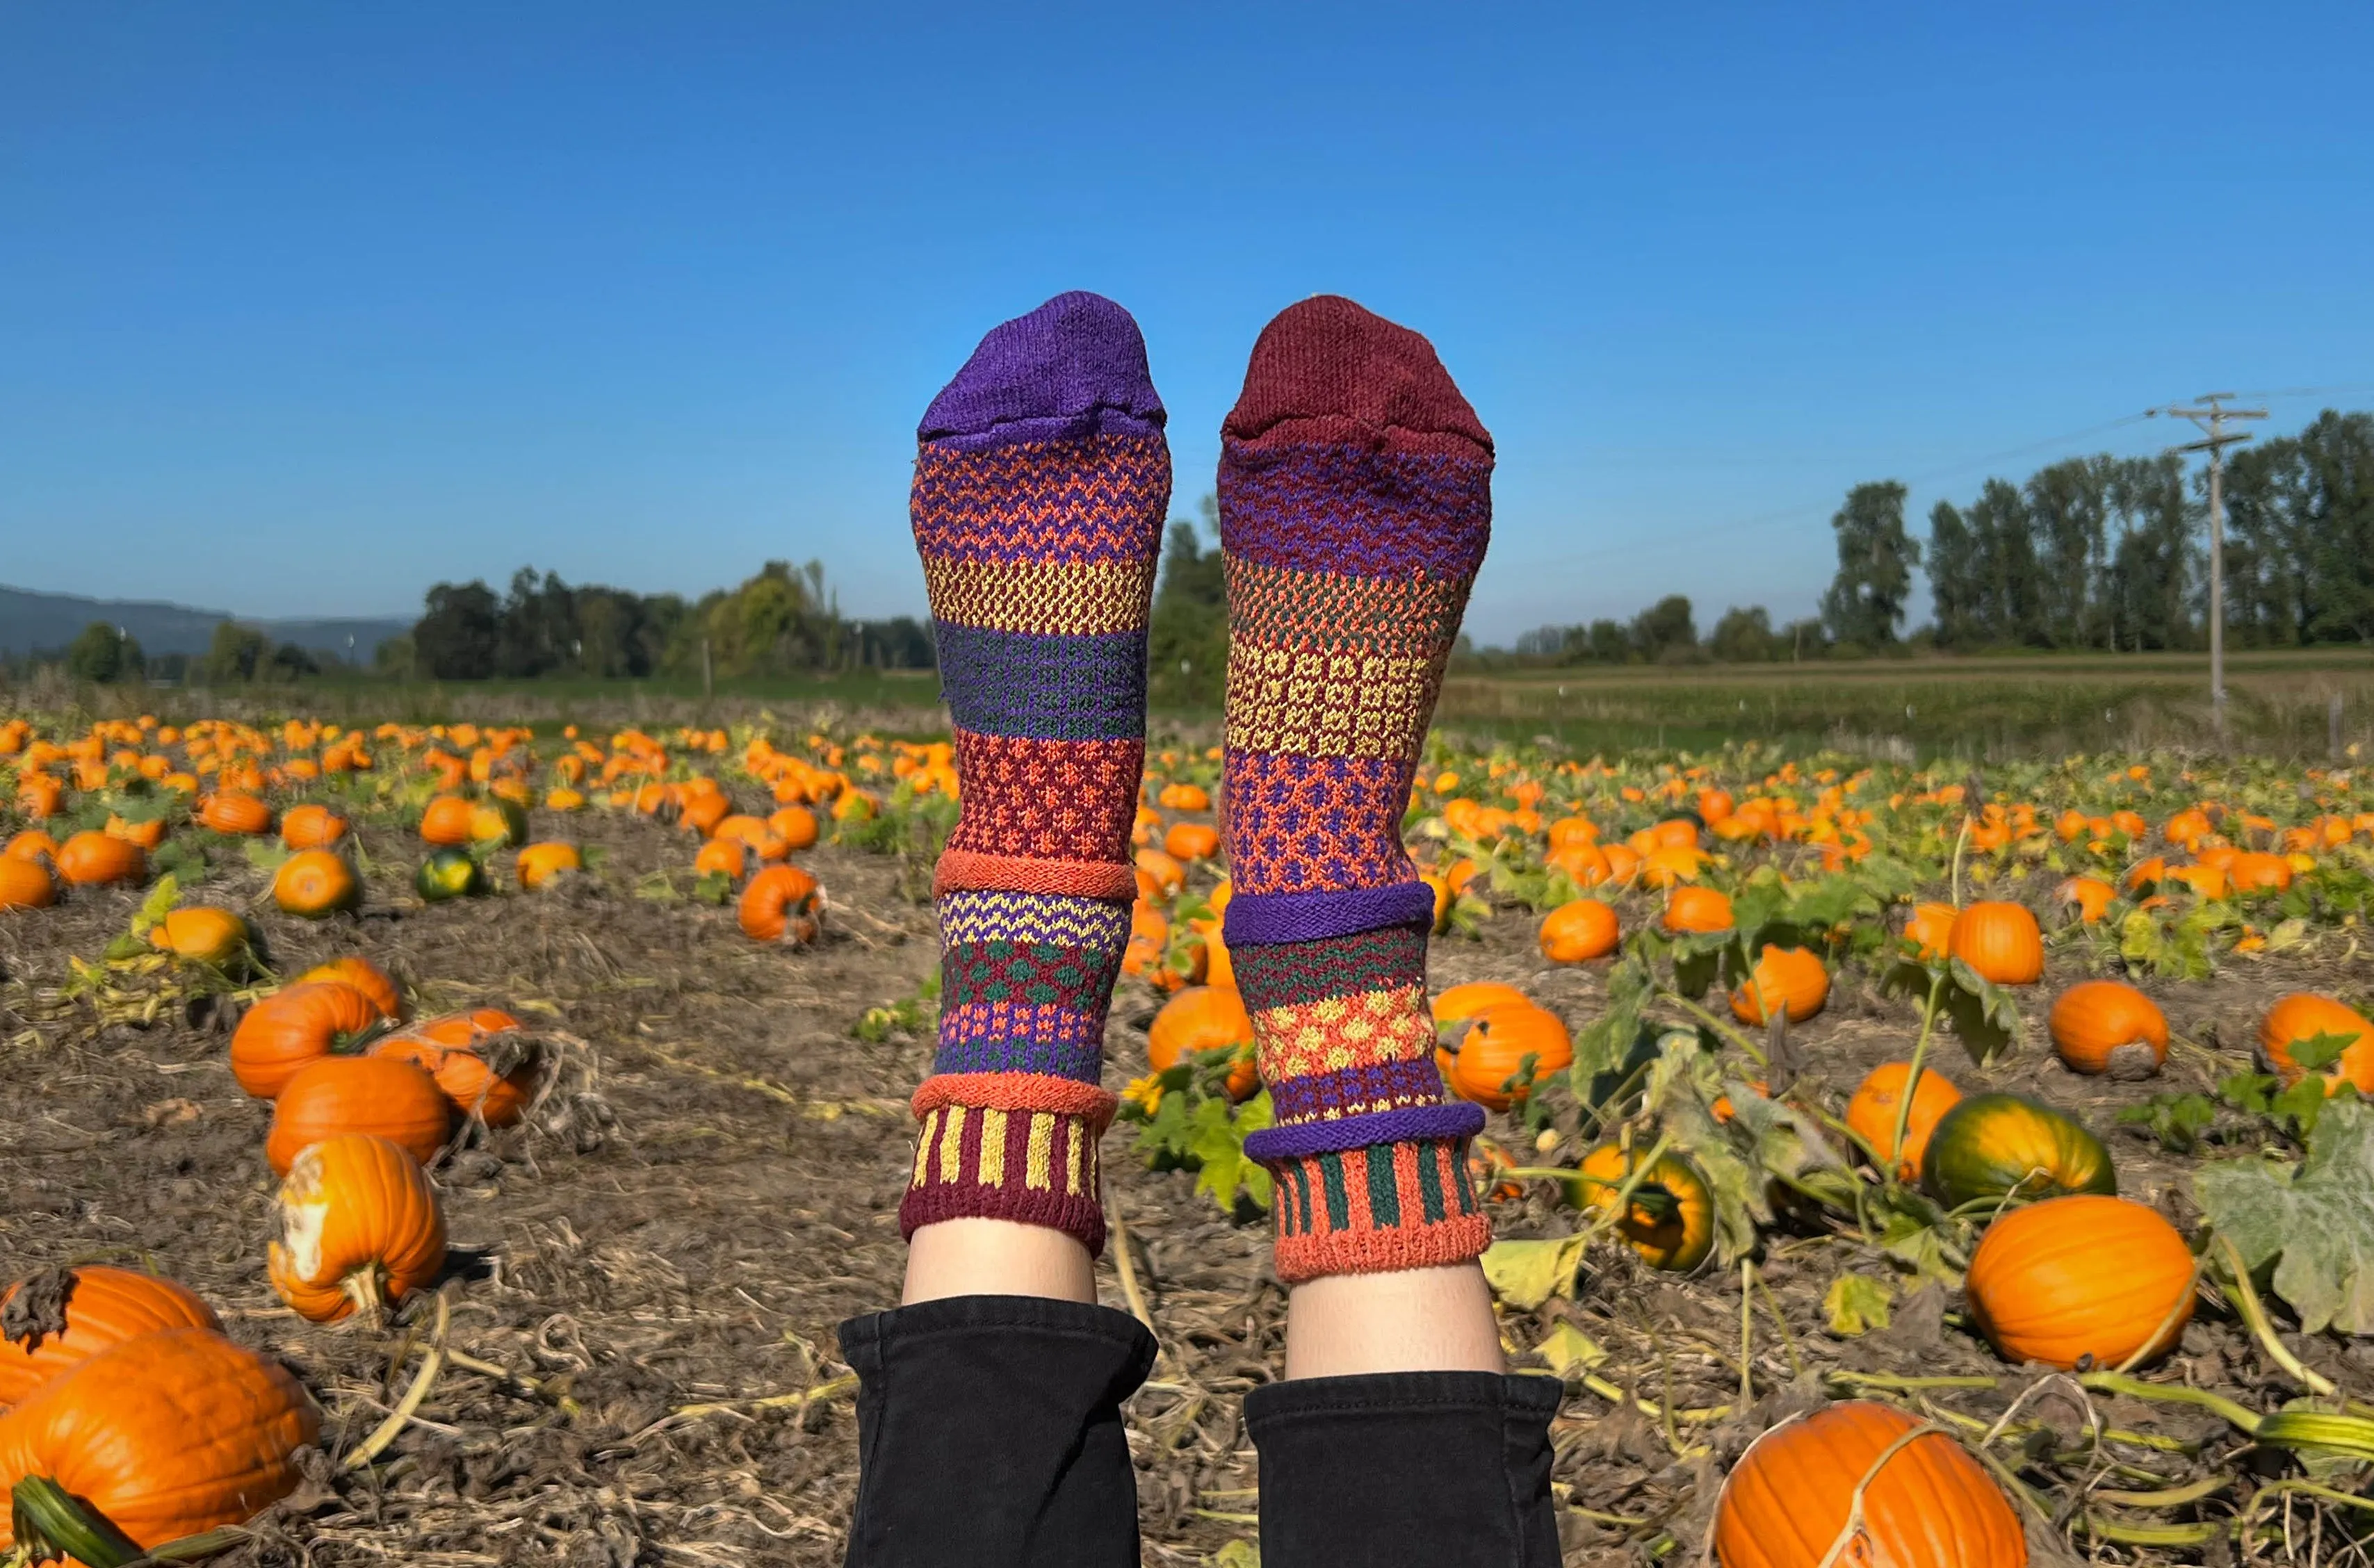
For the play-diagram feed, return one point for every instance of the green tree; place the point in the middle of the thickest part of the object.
(2068, 511)
(106, 653)
(1187, 636)
(2299, 557)
(1866, 602)
(1745, 637)
(236, 654)
(1665, 631)
(2155, 564)
(460, 637)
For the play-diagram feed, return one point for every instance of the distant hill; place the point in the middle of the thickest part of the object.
(31, 621)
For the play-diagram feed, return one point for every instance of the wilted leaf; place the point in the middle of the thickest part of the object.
(1236, 1554)
(1527, 1273)
(1568, 1352)
(2317, 1217)
(1856, 1303)
(157, 905)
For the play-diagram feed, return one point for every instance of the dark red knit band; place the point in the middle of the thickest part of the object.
(1008, 1146)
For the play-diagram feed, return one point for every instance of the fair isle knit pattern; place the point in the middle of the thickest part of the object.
(1355, 507)
(1041, 485)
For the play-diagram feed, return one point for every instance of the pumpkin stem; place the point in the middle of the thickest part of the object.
(367, 1287)
(53, 1526)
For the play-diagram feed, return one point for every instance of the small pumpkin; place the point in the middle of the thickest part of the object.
(2088, 896)
(1873, 1111)
(311, 827)
(795, 825)
(26, 885)
(1700, 910)
(1578, 932)
(1669, 1220)
(782, 903)
(363, 975)
(32, 845)
(229, 811)
(148, 832)
(1929, 930)
(500, 822)
(61, 1317)
(2110, 1028)
(169, 1434)
(541, 864)
(2001, 942)
(486, 1064)
(728, 858)
(1192, 841)
(356, 1226)
(1999, 1148)
(448, 874)
(446, 822)
(1792, 979)
(1206, 1018)
(2258, 872)
(1925, 1502)
(1467, 1001)
(1160, 877)
(1478, 1062)
(293, 1028)
(2303, 1016)
(381, 1095)
(203, 934)
(2082, 1276)
(95, 859)
(315, 883)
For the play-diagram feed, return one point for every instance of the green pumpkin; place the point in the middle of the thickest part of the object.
(450, 873)
(1997, 1147)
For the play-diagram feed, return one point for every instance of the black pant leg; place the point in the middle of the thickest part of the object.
(990, 1435)
(1451, 1469)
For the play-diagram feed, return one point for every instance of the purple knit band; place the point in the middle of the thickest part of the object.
(1353, 512)
(1074, 367)
(1273, 1144)
(1370, 1087)
(1271, 919)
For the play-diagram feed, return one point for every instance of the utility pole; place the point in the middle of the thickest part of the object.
(2212, 417)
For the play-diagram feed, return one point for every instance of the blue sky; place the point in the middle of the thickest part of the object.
(305, 307)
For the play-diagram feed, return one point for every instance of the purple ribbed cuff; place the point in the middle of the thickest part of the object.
(1274, 917)
(1418, 1124)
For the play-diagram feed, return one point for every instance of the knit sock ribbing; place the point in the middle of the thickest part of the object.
(1041, 480)
(1355, 508)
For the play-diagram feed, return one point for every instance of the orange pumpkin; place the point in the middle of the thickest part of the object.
(1701, 909)
(1160, 877)
(1873, 1111)
(1479, 1063)
(356, 1226)
(1792, 979)
(484, 1061)
(703, 812)
(540, 863)
(1929, 930)
(1792, 1497)
(1578, 932)
(230, 812)
(30, 844)
(311, 827)
(727, 858)
(1206, 1018)
(202, 934)
(2304, 1016)
(2257, 872)
(795, 825)
(782, 903)
(2090, 896)
(93, 859)
(2001, 942)
(363, 975)
(446, 823)
(2068, 1277)
(2109, 1027)
(1466, 1001)
(78, 1313)
(291, 1029)
(1184, 798)
(26, 885)
(149, 834)
(384, 1096)
(1192, 841)
(169, 1434)
(315, 883)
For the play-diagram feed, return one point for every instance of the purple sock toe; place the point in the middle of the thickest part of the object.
(1074, 367)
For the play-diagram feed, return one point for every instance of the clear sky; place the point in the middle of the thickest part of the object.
(304, 306)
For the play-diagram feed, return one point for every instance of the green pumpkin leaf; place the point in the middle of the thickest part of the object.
(2314, 1220)
(1526, 1273)
(1856, 1303)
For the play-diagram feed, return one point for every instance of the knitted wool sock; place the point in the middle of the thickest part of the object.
(1355, 505)
(1041, 485)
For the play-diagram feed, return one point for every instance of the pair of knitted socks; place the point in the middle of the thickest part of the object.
(1355, 493)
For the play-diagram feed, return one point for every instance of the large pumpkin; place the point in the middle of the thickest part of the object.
(1878, 1102)
(2001, 941)
(1492, 1051)
(2002, 1148)
(169, 1434)
(62, 1317)
(483, 1060)
(381, 1095)
(446, 822)
(1578, 932)
(356, 1225)
(314, 883)
(2304, 1016)
(2107, 1026)
(1926, 1504)
(294, 1028)
(230, 812)
(2082, 1276)
(93, 859)
(1206, 1018)
(26, 885)
(1669, 1220)
(1790, 979)
(782, 903)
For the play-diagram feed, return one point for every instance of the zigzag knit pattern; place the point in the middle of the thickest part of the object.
(1355, 508)
(1041, 485)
